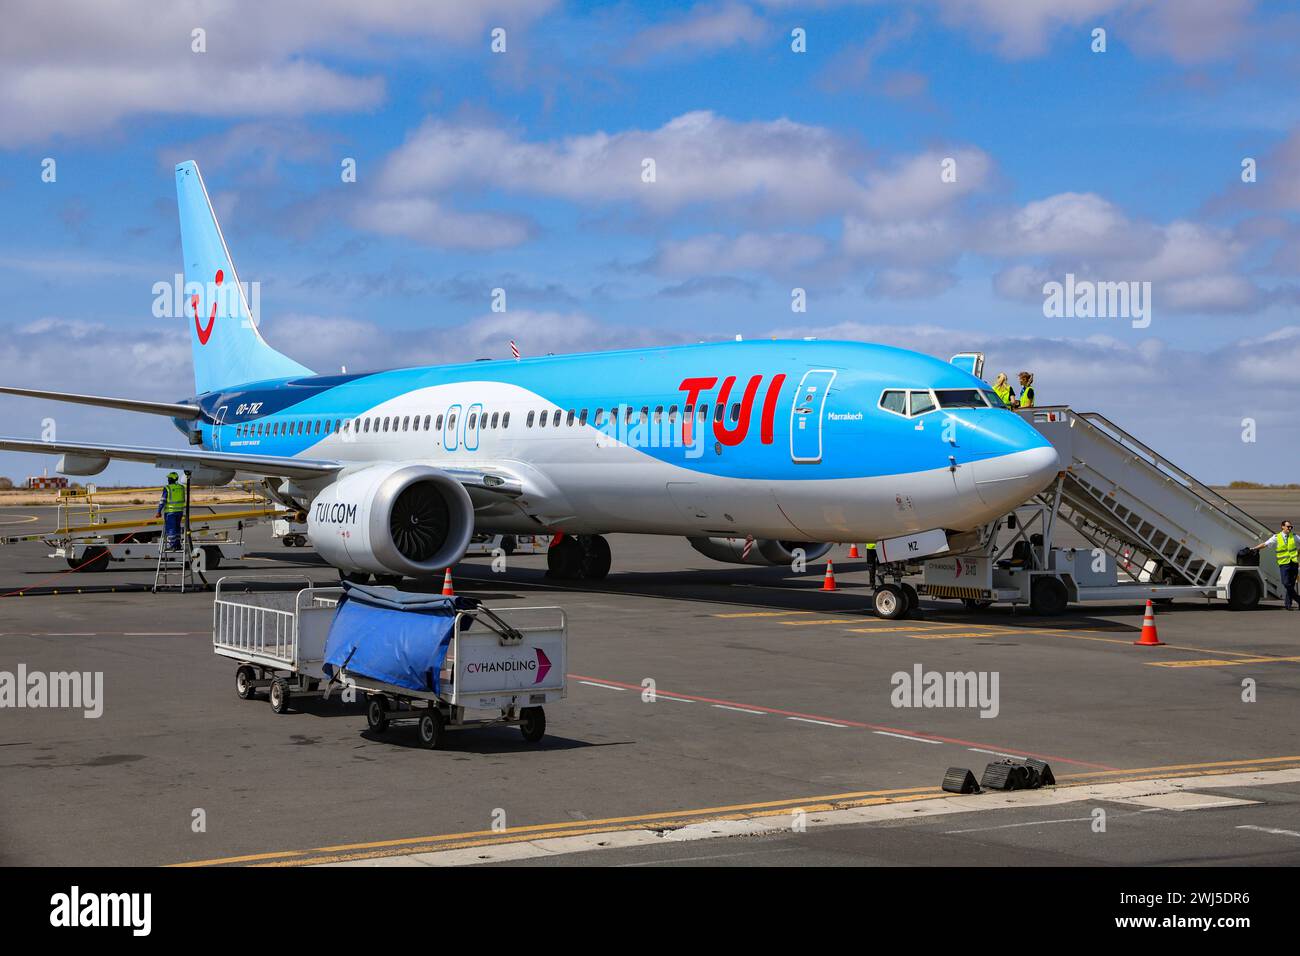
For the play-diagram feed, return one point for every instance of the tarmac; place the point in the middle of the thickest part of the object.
(717, 715)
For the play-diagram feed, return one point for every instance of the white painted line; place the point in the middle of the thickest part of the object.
(919, 740)
(824, 723)
(1273, 830)
(740, 710)
(70, 634)
(155, 633)
(996, 753)
(680, 700)
(592, 683)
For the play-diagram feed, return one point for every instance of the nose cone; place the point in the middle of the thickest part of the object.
(1005, 481)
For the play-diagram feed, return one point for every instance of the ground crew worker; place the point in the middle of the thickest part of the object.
(1002, 388)
(1026, 389)
(873, 559)
(1288, 560)
(172, 509)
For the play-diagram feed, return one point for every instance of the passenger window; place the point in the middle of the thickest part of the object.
(922, 402)
(569, 421)
(318, 424)
(473, 419)
(528, 422)
(718, 411)
(406, 423)
(437, 423)
(582, 417)
(688, 410)
(735, 412)
(600, 417)
(703, 411)
(631, 414)
(427, 419)
(645, 414)
(555, 422)
(451, 421)
(659, 414)
(672, 414)
(505, 419)
(496, 419)
(894, 401)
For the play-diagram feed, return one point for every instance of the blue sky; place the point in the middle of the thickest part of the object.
(775, 170)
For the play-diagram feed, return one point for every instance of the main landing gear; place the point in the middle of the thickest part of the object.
(578, 557)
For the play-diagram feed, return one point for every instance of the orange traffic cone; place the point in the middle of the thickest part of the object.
(1149, 636)
(447, 589)
(829, 583)
(853, 551)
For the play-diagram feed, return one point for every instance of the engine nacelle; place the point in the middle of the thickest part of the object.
(766, 552)
(410, 519)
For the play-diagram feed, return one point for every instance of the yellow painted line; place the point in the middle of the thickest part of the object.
(945, 635)
(879, 630)
(475, 838)
(824, 620)
(762, 613)
(569, 827)
(1212, 662)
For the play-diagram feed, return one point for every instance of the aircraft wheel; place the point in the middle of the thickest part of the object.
(534, 724)
(509, 543)
(564, 560)
(279, 695)
(890, 602)
(913, 599)
(388, 580)
(596, 557)
(354, 577)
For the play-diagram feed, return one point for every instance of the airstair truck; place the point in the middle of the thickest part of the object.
(1151, 531)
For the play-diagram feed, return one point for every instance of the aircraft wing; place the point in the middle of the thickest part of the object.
(181, 458)
(483, 486)
(170, 409)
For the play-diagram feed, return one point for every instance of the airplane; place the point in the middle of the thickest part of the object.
(754, 451)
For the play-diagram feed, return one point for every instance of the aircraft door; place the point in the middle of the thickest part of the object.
(218, 426)
(449, 433)
(473, 422)
(806, 416)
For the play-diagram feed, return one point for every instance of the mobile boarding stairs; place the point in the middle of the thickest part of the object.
(1152, 532)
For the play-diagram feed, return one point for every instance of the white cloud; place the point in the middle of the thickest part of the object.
(706, 27)
(433, 223)
(748, 252)
(79, 67)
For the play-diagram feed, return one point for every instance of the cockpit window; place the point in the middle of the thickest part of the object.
(961, 398)
(992, 398)
(894, 401)
(922, 402)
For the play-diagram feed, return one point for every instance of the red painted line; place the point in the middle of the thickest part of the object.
(853, 723)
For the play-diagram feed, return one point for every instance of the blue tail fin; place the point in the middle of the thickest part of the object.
(228, 349)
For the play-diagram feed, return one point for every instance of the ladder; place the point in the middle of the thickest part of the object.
(175, 570)
(1157, 522)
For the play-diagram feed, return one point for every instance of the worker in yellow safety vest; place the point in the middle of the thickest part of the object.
(1002, 388)
(172, 509)
(1026, 389)
(872, 560)
(1288, 561)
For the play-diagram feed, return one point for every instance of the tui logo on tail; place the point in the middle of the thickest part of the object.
(206, 333)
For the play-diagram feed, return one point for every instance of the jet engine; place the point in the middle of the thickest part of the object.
(767, 552)
(406, 519)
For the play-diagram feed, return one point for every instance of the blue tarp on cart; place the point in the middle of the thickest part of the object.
(392, 636)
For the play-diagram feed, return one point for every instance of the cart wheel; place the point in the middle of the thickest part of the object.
(1048, 597)
(244, 678)
(913, 599)
(433, 729)
(890, 602)
(533, 726)
(279, 695)
(376, 714)
(211, 557)
(1244, 592)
